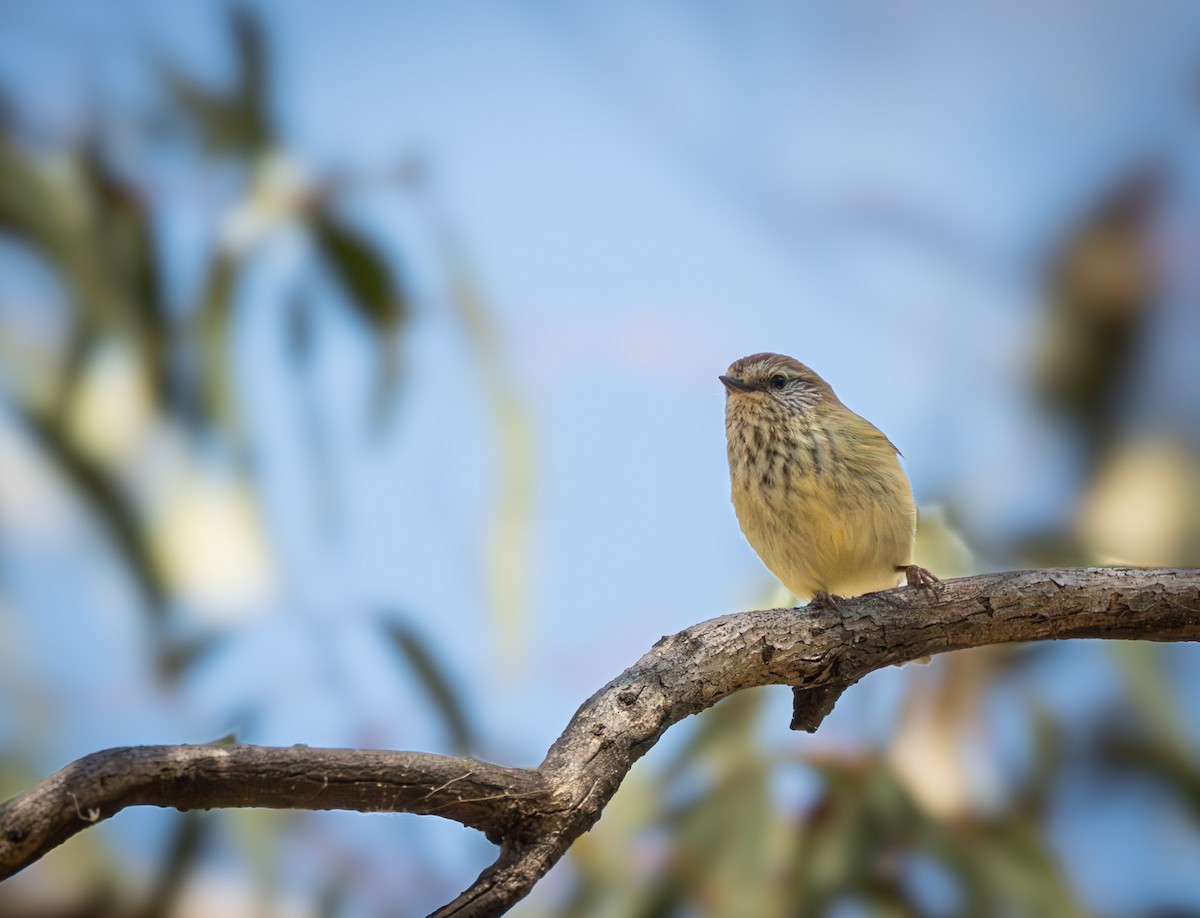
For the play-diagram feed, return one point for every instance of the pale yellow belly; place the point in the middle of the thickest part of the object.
(817, 541)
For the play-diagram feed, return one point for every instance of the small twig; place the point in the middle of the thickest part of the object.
(810, 706)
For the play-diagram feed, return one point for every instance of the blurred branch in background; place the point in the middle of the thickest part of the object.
(1103, 287)
(508, 545)
(1139, 502)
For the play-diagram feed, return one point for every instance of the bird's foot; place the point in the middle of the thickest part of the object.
(825, 600)
(917, 576)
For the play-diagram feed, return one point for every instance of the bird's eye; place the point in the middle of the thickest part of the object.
(778, 382)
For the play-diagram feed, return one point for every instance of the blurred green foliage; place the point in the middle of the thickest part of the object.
(93, 227)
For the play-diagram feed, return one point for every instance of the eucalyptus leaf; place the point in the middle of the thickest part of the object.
(372, 291)
(419, 657)
(112, 509)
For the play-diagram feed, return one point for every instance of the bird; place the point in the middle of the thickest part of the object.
(818, 490)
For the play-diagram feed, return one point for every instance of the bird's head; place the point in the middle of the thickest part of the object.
(773, 381)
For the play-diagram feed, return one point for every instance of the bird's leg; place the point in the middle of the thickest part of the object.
(917, 576)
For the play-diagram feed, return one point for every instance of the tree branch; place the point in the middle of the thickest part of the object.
(534, 814)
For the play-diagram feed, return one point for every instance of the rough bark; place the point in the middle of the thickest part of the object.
(534, 814)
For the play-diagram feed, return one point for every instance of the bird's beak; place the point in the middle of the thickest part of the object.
(733, 384)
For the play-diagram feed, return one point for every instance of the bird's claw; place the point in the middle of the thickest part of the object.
(917, 576)
(825, 600)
